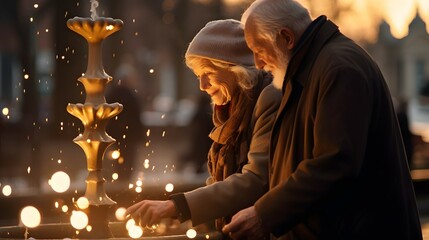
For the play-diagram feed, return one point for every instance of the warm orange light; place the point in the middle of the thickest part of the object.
(360, 19)
(60, 182)
(191, 233)
(30, 217)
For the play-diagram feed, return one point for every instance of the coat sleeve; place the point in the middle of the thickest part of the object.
(240, 190)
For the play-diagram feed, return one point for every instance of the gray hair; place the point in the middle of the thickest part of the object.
(246, 76)
(270, 16)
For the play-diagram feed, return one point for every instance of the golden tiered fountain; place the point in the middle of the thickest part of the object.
(95, 114)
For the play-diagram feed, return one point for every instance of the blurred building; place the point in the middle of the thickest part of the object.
(405, 65)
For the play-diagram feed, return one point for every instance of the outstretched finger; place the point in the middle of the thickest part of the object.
(146, 218)
(233, 226)
(132, 208)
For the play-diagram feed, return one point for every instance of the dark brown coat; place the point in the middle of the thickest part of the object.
(338, 166)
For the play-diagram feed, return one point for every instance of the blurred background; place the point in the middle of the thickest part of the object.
(161, 136)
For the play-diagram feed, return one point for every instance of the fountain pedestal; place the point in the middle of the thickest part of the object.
(94, 114)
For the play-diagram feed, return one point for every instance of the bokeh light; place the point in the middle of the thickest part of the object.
(79, 220)
(120, 214)
(5, 111)
(116, 154)
(60, 182)
(191, 233)
(7, 190)
(64, 208)
(135, 231)
(169, 187)
(115, 176)
(129, 223)
(82, 203)
(30, 217)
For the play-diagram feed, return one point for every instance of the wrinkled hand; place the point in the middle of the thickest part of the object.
(150, 212)
(245, 224)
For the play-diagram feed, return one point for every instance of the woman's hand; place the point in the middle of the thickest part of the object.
(150, 212)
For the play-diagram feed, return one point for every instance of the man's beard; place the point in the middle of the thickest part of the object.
(280, 71)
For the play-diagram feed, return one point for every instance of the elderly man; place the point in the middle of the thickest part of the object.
(338, 168)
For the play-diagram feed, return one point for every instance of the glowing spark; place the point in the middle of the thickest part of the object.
(163, 133)
(120, 214)
(130, 223)
(169, 187)
(110, 27)
(191, 233)
(5, 111)
(26, 76)
(130, 186)
(139, 183)
(36, 5)
(30, 217)
(162, 116)
(7, 190)
(116, 154)
(28, 169)
(60, 182)
(56, 204)
(146, 163)
(65, 208)
(82, 203)
(31, 19)
(148, 132)
(115, 176)
(151, 70)
(79, 220)
(134, 231)
(89, 228)
(138, 189)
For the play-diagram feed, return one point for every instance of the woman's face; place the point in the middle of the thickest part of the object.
(217, 82)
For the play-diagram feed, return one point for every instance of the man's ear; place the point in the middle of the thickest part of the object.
(288, 37)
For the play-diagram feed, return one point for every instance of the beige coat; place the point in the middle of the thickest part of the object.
(240, 190)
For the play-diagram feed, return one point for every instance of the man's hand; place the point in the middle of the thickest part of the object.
(246, 224)
(150, 212)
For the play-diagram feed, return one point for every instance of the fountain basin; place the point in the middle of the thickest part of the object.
(65, 230)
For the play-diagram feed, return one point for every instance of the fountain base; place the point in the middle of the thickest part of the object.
(65, 230)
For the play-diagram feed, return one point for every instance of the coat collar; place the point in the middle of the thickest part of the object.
(307, 49)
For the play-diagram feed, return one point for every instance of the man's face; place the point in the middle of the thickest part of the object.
(268, 55)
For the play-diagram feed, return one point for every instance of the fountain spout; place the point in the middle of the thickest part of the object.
(94, 114)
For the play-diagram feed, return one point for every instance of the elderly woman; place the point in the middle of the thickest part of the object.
(245, 106)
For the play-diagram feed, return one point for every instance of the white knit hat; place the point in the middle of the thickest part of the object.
(222, 40)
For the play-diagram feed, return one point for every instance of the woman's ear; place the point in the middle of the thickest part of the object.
(288, 37)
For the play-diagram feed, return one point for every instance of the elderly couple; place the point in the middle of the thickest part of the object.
(306, 144)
